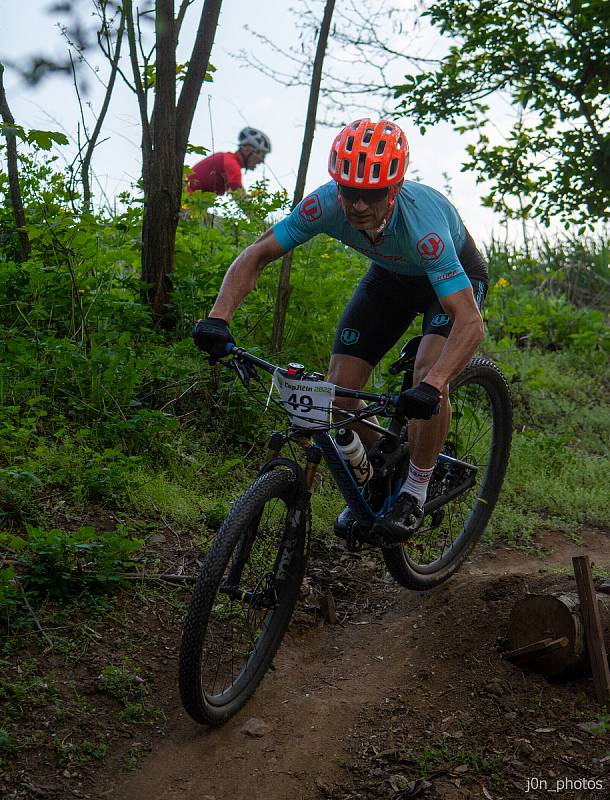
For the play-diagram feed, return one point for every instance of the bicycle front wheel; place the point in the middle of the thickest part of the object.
(479, 437)
(243, 599)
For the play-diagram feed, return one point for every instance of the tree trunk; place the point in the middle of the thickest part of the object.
(162, 201)
(13, 173)
(164, 151)
(284, 288)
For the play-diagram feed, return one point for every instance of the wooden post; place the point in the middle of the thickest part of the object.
(593, 628)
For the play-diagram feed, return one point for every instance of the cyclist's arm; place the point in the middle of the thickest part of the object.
(243, 273)
(466, 334)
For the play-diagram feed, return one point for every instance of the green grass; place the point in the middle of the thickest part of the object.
(557, 475)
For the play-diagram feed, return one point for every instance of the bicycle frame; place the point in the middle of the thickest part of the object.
(325, 447)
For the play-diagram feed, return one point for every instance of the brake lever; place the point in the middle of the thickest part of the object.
(244, 369)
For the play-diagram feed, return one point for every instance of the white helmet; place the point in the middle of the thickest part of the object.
(256, 139)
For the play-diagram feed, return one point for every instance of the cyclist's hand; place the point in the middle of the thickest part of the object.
(212, 336)
(420, 402)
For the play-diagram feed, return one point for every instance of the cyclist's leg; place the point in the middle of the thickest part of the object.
(426, 437)
(373, 320)
(352, 373)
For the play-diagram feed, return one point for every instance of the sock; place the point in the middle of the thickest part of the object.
(417, 482)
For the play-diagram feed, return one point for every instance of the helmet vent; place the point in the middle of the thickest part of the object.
(393, 168)
(333, 160)
(375, 172)
(345, 165)
(367, 136)
(388, 129)
(380, 147)
(349, 144)
(361, 165)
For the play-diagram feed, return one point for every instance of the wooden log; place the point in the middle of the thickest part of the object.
(594, 633)
(552, 617)
(327, 608)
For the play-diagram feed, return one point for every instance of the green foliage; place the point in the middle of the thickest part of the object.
(39, 138)
(125, 685)
(121, 682)
(10, 596)
(63, 564)
(81, 753)
(8, 743)
(603, 726)
(100, 408)
(544, 321)
(28, 687)
(552, 60)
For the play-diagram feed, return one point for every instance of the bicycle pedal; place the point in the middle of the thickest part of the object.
(387, 538)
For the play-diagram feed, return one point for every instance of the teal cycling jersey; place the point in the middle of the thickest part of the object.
(422, 238)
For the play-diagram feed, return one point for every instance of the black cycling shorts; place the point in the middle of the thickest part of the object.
(386, 303)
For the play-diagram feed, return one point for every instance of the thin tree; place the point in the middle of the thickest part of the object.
(13, 172)
(105, 44)
(165, 135)
(365, 56)
(284, 287)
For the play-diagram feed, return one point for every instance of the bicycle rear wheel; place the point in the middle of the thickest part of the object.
(480, 435)
(243, 599)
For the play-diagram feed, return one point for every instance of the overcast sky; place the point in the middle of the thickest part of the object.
(237, 96)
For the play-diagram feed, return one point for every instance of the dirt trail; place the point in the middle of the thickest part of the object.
(324, 677)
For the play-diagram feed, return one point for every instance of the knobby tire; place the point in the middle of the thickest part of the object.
(241, 539)
(408, 563)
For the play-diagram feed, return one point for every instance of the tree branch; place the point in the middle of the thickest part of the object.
(184, 5)
(137, 83)
(92, 141)
(195, 74)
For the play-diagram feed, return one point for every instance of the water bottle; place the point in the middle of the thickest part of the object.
(353, 451)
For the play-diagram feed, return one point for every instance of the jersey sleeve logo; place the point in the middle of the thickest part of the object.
(311, 208)
(430, 246)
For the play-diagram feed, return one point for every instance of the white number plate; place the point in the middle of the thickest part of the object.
(307, 403)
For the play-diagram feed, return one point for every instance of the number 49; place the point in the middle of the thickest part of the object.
(304, 402)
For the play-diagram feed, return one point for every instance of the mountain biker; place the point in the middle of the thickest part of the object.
(221, 172)
(423, 261)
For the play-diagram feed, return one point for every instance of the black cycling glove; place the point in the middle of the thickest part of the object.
(420, 402)
(212, 336)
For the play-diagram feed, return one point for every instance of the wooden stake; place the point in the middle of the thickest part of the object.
(593, 629)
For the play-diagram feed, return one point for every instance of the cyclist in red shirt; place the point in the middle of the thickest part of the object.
(221, 172)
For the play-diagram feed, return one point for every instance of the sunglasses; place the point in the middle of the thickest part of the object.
(369, 196)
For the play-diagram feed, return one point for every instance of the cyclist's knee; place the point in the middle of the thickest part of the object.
(348, 371)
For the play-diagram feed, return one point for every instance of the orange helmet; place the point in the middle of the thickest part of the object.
(369, 155)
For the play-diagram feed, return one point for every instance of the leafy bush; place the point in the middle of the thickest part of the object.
(533, 319)
(63, 564)
(99, 407)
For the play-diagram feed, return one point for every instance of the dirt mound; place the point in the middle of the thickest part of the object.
(406, 695)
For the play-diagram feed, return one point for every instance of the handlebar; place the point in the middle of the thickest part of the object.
(383, 400)
(340, 391)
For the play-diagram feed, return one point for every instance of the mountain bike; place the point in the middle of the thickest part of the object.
(250, 578)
